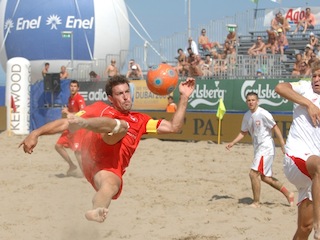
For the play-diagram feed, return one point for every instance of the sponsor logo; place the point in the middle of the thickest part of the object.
(266, 93)
(92, 96)
(206, 96)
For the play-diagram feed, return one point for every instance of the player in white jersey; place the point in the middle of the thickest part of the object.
(302, 159)
(260, 123)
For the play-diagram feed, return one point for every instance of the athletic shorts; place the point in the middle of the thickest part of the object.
(296, 171)
(69, 140)
(263, 165)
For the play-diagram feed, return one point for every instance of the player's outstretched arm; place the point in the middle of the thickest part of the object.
(30, 142)
(175, 125)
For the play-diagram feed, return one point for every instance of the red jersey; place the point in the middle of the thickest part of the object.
(97, 155)
(76, 103)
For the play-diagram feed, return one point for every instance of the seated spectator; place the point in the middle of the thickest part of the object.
(307, 53)
(134, 71)
(194, 65)
(280, 22)
(317, 51)
(94, 77)
(313, 40)
(231, 38)
(296, 65)
(207, 66)
(272, 46)
(257, 48)
(63, 73)
(305, 70)
(282, 42)
(111, 70)
(313, 60)
(191, 44)
(205, 42)
(45, 70)
(259, 74)
(182, 67)
(308, 22)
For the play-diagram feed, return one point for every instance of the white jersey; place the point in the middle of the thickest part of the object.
(303, 138)
(260, 124)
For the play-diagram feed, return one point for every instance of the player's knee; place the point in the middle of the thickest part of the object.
(305, 229)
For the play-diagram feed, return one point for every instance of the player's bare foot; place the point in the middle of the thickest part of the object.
(72, 170)
(290, 199)
(97, 215)
(255, 205)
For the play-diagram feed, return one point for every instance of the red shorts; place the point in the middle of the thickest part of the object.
(69, 140)
(207, 46)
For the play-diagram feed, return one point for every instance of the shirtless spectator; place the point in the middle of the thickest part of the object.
(63, 73)
(307, 53)
(280, 22)
(45, 70)
(231, 38)
(257, 48)
(207, 66)
(182, 67)
(272, 45)
(313, 60)
(308, 22)
(205, 42)
(313, 40)
(193, 45)
(283, 43)
(194, 65)
(296, 65)
(111, 70)
(134, 70)
(305, 70)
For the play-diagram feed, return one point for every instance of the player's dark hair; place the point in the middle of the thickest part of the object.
(114, 81)
(252, 94)
(74, 81)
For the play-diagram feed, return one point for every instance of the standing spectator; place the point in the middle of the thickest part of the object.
(282, 42)
(171, 107)
(308, 22)
(63, 73)
(134, 71)
(260, 124)
(67, 139)
(257, 48)
(45, 70)
(205, 43)
(112, 69)
(302, 159)
(191, 44)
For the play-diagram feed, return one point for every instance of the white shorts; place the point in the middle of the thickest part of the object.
(263, 165)
(297, 177)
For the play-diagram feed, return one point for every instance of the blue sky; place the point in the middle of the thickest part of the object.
(166, 17)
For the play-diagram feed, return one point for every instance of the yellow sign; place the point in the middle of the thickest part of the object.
(144, 99)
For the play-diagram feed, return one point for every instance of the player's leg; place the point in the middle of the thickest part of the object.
(256, 187)
(305, 220)
(313, 167)
(64, 154)
(108, 185)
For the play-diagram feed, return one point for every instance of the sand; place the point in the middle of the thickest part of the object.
(172, 190)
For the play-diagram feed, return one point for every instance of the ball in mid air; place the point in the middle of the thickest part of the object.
(162, 79)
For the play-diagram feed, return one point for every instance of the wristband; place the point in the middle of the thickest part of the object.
(116, 128)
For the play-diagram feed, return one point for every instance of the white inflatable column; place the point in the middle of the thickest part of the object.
(18, 87)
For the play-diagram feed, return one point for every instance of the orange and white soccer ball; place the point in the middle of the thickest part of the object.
(162, 79)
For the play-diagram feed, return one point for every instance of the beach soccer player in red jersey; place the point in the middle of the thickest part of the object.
(110, 135)
(67, 140)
